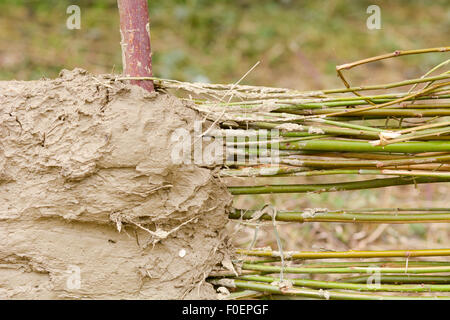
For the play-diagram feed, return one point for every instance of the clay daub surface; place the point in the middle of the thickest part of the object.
(91, 205)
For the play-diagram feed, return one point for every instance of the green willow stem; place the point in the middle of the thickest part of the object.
(379, 106)
(326, 102)
(345, 125)
(341, 103)
(415, 173)
(345, 217)
(356, 146)
(290, 158)
(362, 163)
(387, 85)
(397, 53)
(332, 187)
(442, 133)
(428, 126)
(383, 263)
(347, 254)
(312, 293)
(215, 90)
(316, 284)
(246, 294)
(399, 209)
(326, 270)
(382, 113)
(430, 72)
(398, 279)
(302, 171)
(426, 106)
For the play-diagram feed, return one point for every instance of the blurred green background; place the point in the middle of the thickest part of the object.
(298, 43)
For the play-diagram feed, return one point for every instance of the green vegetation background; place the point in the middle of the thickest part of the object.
(298, 42)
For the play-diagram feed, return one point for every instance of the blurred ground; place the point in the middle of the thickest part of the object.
(299, 43)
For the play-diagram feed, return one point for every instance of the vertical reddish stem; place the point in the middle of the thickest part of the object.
(135, 32)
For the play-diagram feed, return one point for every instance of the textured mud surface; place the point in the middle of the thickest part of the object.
(91, 205)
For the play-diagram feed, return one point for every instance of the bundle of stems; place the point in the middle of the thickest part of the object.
(404, 135)
(401, 138)
(394, 134)
(350, 280)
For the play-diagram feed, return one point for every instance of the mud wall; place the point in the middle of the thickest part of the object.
(91, 205)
